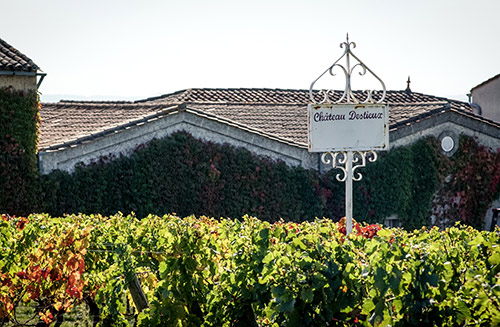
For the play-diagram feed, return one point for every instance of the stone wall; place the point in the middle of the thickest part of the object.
(19, 82)
(447, 123)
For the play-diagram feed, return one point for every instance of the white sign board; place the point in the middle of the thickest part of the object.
(348, 127)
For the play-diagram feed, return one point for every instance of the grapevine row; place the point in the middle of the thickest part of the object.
(246, 272)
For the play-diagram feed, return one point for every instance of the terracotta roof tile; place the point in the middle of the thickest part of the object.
(66, 121)
(12, 59)
(277, 112)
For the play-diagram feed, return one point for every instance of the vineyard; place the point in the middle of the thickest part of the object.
(172, 271)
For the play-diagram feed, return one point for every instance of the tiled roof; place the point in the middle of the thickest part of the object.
(281, 120)
(13, 60)
(66, 121)
(280, 96)
(275, 112)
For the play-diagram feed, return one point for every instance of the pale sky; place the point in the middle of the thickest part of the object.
(133, 49)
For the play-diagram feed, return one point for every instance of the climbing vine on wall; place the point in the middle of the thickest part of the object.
(19, 123)
(398, 183)
(470, 183)
(184, 175)
(188, 176)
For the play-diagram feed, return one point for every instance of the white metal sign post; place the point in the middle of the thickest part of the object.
(348, 129)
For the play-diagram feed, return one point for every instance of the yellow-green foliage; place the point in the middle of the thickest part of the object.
(247, 272)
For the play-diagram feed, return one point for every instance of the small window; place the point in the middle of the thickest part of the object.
(392, 221)
(449, 142)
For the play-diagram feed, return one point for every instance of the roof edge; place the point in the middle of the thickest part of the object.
(443, 110)
(485, 82)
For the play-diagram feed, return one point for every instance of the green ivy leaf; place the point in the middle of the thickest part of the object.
(298, 242)
(287, 306)
(268, 258)
(463, 313)
(307, 294)
(494, 259)
(386, 233)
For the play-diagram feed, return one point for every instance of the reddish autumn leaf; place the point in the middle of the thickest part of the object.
(72, 264)
(36, 273)
(22, 274)
(73, 291)
(22, 223)
(54, 274)
(81, 265)
(46, 316)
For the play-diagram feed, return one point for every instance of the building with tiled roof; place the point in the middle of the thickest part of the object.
(486, 98)
(17, 70)
(269, 122)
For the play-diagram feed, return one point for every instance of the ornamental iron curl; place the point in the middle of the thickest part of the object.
(339, 159)
(348, 96)
(336, 163)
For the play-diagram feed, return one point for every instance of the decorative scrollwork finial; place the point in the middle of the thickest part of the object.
(348, 95)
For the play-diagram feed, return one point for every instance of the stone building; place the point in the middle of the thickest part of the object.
(269, 122)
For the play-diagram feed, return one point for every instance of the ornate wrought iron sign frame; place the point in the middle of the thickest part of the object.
(346, 155)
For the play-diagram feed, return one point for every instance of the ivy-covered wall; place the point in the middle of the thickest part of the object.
(470, 183)
(402, 181)
(19, 122)
(187, 176)
(184, 175)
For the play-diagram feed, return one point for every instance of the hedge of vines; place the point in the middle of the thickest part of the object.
(19, 176)
(246, 272)
(184, 175)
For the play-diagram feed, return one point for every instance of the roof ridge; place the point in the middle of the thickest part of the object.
(285, 89)
(433, 96)
(186, 94)
(162, 96)
(421, 103)
(192, 90)
(244, 88)
(63, 101)
(265, 96)
(245, 103)
(104, 105)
